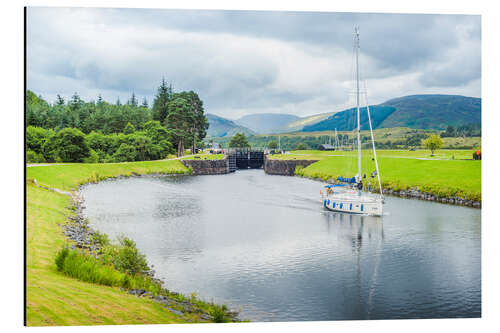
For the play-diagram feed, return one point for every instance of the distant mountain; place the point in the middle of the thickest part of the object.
(222, 127)
(298, 124)
(265, 123)
(346, 120)
(416, 111)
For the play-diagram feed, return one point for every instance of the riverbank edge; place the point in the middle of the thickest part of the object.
(81, 235)
(282, 167)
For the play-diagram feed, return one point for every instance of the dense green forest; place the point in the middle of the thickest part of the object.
(97, 131)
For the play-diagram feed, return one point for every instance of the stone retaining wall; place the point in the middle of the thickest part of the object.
(284, 167)
(208, 167)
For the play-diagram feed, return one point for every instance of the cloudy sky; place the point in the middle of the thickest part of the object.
(244, 62)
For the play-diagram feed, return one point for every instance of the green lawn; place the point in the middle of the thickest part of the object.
(448, 173)
(70, 176)
(419, 153)
(204, 157)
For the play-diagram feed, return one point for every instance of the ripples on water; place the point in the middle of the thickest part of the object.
(264, 245)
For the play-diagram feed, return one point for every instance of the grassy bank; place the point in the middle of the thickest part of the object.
(446, 174)
(204, 157)
(70, 176)
(55, 298)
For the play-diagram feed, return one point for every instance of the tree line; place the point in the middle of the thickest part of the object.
(97, 131)
(296, 142)
(468, 130)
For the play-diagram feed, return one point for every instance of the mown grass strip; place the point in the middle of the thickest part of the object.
(71, 176)
(204, 157)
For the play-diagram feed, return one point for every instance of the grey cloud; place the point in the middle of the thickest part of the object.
(245, 59)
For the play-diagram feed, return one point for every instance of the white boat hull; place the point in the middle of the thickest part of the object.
(353, 206)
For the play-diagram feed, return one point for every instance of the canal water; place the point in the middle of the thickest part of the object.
(265, 246)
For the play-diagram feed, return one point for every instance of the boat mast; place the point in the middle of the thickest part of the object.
(373, 141)
(356, 33)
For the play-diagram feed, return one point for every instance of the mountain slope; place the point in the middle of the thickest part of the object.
(221, 127)
(264, 123)
(298, 124)
(346, 120)
(433, 111)
(416, 111)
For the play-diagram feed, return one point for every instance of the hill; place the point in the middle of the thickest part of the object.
(299, 124)
(416, 111)
(266, 122)
(222, 127)
(433, 111)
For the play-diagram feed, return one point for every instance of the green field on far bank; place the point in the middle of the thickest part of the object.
(446, 154)
(204, 157)
(447, 173)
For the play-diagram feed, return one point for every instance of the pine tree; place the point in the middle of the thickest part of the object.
(198, 127)
(118, 103)
(160, 103)
(133, 100)
(75, 103)
(60, 100)
(179, 121)
(145, 103)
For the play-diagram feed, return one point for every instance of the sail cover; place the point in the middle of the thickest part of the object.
(347, 180)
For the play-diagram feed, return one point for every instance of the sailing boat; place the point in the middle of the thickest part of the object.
(348, 196)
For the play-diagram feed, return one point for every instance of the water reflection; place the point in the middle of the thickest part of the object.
(264, 244)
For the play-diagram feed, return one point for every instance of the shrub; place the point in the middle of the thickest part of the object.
(92, 158)
(128, 258)
(33, 157)
(100, 239)
(68, 145)
(299, 170)
(126, 283)
(218, 314)
(125, 256)
(90, 269)
(125, 153)
(60, 257)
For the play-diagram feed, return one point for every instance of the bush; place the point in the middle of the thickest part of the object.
(68, 145)
(218, 314)
(93, 157)
(36, 137)
(33, 157)
(60, 257)
(301, 146)
(299, 170)
(129, 259)
(100, 239)
(125, 256)
(125, 153)
(90, 269)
